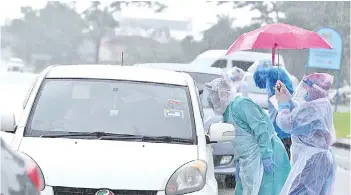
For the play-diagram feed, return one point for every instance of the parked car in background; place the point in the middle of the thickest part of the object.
(19, 173)
(135, 130)
(259, 96)
(240, 59)
(223, 153)
(15, 64)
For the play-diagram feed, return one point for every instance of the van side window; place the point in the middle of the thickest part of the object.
(220, 64)
(242, 64)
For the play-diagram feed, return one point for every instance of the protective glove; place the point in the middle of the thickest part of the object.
(237, 169)
(283, 95)
(268, 165)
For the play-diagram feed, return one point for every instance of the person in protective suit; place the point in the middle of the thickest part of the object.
(237, 75)
(265, 77)
(308, 117)
(262, 164)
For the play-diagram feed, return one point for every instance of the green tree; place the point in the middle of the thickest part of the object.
(156, 6)
(222, 34)
(269, 10)
(99, 22)
(333, 14)
(55, 30)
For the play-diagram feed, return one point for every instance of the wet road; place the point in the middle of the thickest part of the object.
(342, 183)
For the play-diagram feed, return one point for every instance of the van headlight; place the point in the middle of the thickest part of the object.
(188, 178)
(225, 160)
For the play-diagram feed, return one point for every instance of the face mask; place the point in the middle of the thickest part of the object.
(233, 78)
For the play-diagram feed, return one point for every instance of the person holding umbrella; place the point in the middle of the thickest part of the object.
(262, 164)
(265, 77)
(308, 117)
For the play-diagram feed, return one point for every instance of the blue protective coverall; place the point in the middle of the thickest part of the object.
(313, 164)
(255, 140)
(266, 78)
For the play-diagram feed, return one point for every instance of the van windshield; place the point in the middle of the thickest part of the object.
(119, 107)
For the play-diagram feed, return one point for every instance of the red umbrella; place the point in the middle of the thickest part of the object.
(278, 36)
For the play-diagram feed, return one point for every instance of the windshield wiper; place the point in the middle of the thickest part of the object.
(113, 136)
(160, 139)
(167, 139)
(96, 134)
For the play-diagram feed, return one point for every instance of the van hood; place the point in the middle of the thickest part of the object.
(107, 164)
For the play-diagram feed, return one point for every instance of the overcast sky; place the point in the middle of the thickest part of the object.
(202, 14)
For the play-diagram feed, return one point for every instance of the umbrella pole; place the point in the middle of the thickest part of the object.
(278, 65)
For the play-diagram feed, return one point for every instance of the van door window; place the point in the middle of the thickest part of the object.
(220, 64)
(242, 64)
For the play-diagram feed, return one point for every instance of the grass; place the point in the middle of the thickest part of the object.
(342, 124)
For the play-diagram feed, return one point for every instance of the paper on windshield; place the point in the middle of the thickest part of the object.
(81, 92)
(274, 102)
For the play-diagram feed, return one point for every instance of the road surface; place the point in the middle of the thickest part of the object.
(342, 183)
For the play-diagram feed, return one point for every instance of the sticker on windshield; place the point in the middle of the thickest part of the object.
(113, 112)
(174, 102)
(81, 92)
(173, 113)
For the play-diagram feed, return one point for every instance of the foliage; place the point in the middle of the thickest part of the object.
(342, 124)
(46, 31)
(99, 23)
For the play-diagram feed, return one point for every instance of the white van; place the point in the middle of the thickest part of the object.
(240, 59)
(99, 129)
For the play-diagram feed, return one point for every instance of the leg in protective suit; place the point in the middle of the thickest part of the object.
(265, 77)
(308, 117)
(262, 162)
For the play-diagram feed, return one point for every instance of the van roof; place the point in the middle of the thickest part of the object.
(183, 68)
(116, 72)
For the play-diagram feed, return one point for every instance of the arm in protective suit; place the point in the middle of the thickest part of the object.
(254, 117)
(300, 120)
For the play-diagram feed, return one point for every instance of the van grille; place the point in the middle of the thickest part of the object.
(217, 160)
(58, 190)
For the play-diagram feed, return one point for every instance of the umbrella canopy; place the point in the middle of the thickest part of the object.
(280, 36)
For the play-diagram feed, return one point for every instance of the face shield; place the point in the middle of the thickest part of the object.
(219, 95)
(306, 89)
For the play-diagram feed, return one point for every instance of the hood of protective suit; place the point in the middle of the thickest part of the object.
(313, 87)
(221, 93)
(236, 74)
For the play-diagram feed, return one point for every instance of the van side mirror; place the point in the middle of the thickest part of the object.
(7, 122)
(221, 132)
